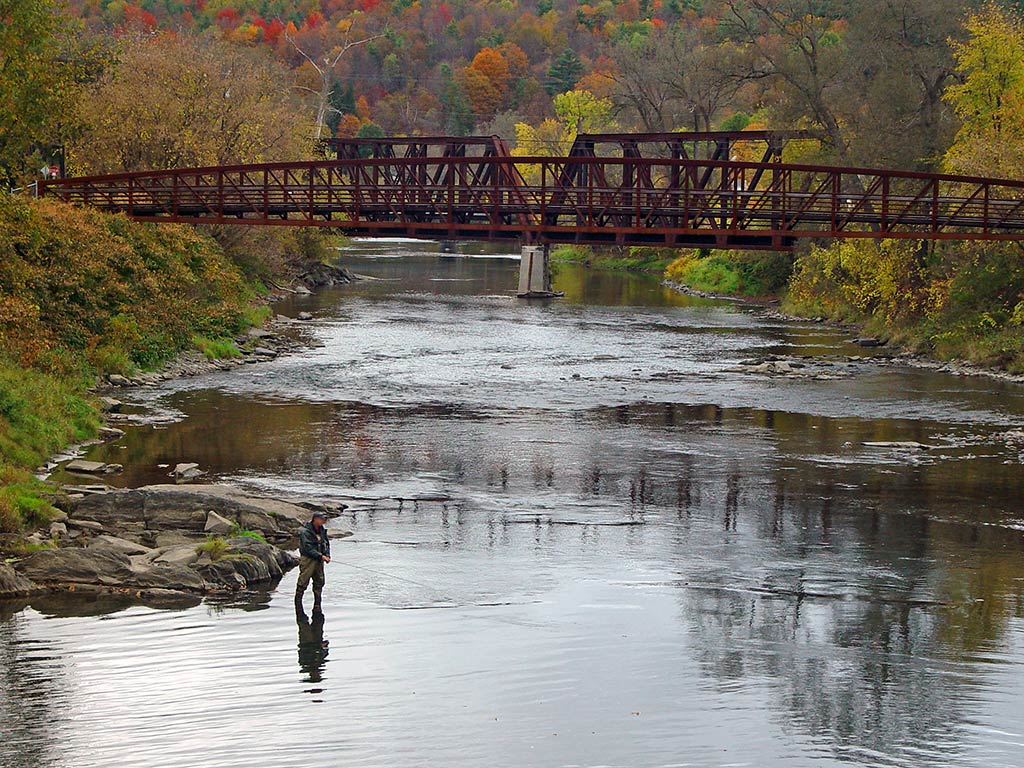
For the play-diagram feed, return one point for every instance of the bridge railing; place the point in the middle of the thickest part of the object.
(579, 199)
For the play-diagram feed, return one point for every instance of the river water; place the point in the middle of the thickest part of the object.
(583, 537)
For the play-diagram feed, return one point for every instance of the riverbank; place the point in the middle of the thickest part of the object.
(89, 302)
(634, 259)
(887, 352)
(952, 307)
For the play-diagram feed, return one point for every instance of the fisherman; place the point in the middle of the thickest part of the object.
(314, 552)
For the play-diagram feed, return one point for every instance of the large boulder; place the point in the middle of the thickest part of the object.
(217, 525)
(248, 562)
(13, 584)
(109, 568)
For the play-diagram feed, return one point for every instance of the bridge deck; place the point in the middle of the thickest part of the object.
(628, 200)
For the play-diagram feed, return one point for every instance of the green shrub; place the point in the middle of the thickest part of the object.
(214, 546)
(223, 348)
(109, 359)
(956, 300)
(253, 316)
(238, 530)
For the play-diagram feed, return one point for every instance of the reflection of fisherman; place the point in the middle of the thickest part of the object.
(312, 646)
(314, 552)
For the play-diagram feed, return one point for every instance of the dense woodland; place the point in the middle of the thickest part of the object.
(115, 86)
(128, 86)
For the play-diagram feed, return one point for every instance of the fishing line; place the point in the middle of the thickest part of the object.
(390, 576)
(455, 603)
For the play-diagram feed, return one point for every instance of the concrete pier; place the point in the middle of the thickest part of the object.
(535, 273)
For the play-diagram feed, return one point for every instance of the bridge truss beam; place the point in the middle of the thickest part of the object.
(611, 189)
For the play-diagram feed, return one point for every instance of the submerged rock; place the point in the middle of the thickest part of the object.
(111, 433)
(912, 445)
(185, 471)
(869, 341)
(80, 466)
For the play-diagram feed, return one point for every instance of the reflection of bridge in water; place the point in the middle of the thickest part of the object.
(674, 189)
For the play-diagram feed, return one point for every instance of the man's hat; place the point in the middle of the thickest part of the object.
(321, 515)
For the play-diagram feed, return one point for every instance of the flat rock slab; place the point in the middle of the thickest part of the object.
(83, 467)
(184, 555)
(108, 568)
(119, 545)
(85, 525)
(111, 433)
(297, 512)
(186, 471)
(173, 507)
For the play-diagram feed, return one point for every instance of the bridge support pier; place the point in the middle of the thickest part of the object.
(535, 273)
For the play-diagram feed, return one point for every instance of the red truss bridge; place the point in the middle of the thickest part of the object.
(673, 189)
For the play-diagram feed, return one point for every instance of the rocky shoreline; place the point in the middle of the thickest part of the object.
(277, 336)
(273, 338)
(162, 540)
(889, 356)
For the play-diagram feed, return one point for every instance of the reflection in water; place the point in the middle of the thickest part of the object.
(33, 682)
(607, 546)
(312, 645)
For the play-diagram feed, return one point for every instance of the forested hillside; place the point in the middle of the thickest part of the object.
(871, 74)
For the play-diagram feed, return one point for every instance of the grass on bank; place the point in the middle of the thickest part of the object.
(222, 348)
(733, 273)
(215, 547)
(238, 530)
(39, 414)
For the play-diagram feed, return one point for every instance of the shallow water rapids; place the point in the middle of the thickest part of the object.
(585, 536)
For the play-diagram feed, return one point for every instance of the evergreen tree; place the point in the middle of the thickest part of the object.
(563, 73)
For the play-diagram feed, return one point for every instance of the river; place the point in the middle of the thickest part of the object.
(584, 537)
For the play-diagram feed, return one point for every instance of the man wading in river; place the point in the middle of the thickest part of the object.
(314, 551)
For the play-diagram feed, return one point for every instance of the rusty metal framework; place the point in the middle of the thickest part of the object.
(682, 190)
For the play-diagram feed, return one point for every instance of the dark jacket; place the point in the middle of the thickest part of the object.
(314, 545)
